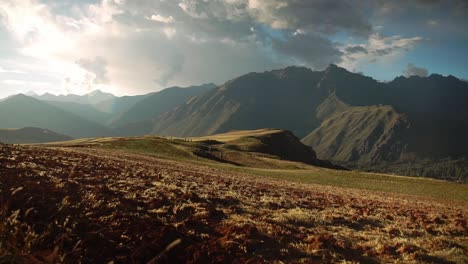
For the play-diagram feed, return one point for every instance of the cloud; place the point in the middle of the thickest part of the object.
(312, 50)
(355, 49)
(326, 16)
(162, 19)
(97, 67)
(377, 49)
(129, 47)
(413, 70)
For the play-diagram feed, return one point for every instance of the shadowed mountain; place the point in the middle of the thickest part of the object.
(23, 111)
(344, 116)
(158, 103)
(282, 98)
(30, 135)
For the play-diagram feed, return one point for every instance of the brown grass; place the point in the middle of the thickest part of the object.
(95, 206)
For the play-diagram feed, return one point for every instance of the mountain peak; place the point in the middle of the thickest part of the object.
(291, 70)
(98, 92)
(31, 93)
(20, 98)
(334, 68)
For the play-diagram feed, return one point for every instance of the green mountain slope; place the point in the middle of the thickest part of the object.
(23, 111)
(369, 134)
(30, 135)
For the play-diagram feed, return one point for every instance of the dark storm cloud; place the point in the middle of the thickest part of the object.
(413, 70)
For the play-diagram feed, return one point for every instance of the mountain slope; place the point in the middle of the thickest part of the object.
(23, 111)
(85, 111)
(30, 135)
(368, 134)
(158, 103)
(356, 118)
(282, 98)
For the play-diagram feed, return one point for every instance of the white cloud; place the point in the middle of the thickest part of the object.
(162, 19)
(377, 49)
(3, 70)
(23, 82)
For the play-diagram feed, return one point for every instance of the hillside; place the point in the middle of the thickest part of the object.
(369, 134)
(23, 111)
(30, 135)
(283, 98)
(158, 103)
(263, 148)
(304, 102)
(117, 206)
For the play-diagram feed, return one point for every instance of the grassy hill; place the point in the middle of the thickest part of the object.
(237, 152)
(30, 135)
(263, 148)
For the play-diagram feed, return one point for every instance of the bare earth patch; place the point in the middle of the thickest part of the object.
(96, 206)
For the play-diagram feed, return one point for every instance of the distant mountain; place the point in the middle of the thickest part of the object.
(346, 117)
(22, 111)
(158, 103)
(94, 97)
(30, 135)
(116, 106)
(85, 111)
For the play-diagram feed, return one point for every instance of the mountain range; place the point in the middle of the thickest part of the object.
(345, 117)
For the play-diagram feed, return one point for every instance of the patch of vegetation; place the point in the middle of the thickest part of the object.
(437, 189)
(445, 169)
(182, 150)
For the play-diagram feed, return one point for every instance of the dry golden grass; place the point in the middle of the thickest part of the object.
(96, 206)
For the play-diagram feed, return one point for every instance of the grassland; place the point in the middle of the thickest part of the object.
(211, 200)
(273, 167)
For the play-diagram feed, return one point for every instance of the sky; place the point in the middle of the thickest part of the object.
(131, 47)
